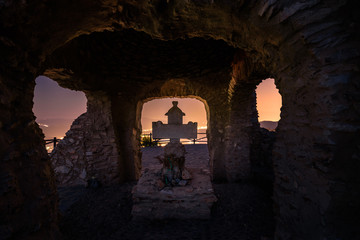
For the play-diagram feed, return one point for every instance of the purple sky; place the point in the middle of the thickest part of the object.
(54, 102)
(55, 108)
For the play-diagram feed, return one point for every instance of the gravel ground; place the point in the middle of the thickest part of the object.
(197, 156)
(243, 211)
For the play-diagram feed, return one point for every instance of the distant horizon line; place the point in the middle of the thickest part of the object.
(44, 119)
(205, 127)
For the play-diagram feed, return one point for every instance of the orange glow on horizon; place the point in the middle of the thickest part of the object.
(155, 110)
(268, 105)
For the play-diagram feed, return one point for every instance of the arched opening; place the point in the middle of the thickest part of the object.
(55, 109)
(154, 110)
(268, 103)
(268, 109)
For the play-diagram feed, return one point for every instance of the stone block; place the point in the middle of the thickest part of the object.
(161, 130)
(191, 201)
(186, 175)
(62, 169)
(175, 149)
(83, 174)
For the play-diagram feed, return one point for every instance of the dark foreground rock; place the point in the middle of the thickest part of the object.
(243, 211)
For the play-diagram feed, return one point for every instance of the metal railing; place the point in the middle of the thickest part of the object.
(165, 140)
(157, 141)
(53, 141)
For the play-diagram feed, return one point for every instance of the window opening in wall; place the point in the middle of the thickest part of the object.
(268, 101)
(56, 108)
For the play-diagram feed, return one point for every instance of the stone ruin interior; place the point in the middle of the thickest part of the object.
(124, 53)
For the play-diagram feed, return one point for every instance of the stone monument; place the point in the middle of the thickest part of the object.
(173, 191)
(173, 161)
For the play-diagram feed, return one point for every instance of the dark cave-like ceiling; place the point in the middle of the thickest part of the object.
(112, 60)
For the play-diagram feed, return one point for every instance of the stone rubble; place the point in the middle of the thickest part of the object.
(187, 201)
(88, 150)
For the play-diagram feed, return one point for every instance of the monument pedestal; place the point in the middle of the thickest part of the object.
(169, 192)
(153, 200)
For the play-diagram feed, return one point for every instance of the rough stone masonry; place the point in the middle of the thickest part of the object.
(89, 148)
(215, 51)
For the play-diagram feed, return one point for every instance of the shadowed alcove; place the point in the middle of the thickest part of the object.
(120, 53)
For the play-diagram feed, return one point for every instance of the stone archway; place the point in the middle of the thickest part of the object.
(201, 111)
(311, 48)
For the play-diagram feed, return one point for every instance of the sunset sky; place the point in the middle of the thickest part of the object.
(268, 101)
(56, 108)
(155, 111)
(54, 102)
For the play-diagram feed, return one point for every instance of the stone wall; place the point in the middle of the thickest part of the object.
(127, 122)
(88, 149)
(262, 169)
(311, 48)
(28, 199)
(311, 167)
